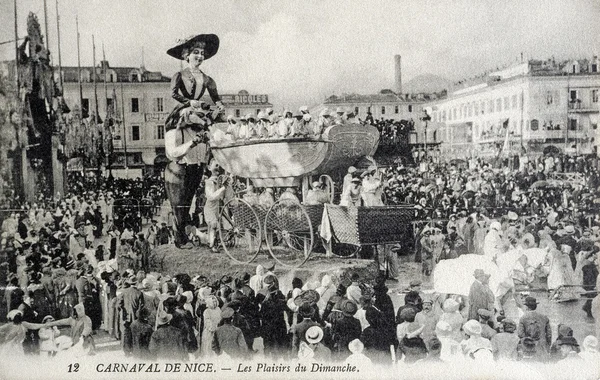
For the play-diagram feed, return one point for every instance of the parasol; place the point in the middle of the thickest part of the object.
(539, 184)
(455, 276)
(551, 149)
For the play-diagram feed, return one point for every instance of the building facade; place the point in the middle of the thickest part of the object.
(143, 98)
(526, 107)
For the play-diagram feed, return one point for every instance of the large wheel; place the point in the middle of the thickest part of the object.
(240, 231)
(290, 234)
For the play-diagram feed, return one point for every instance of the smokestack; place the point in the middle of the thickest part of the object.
(398, 74)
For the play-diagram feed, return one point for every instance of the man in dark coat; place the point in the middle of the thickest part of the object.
(480, 294)
(131, 300)
(345, 330)
(298, 330)
(273, 328)
(229, 339)
(167, 342)
(31, 343)
(536, 327)
(141, 332)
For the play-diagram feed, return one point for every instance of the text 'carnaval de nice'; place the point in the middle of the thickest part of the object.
(211, 367)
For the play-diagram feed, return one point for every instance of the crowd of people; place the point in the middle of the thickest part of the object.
(269, 125)
(319, 319)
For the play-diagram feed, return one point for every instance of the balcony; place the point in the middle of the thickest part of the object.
(578, 106)
(558, 134)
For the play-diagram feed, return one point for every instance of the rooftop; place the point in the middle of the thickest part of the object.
(113, 74)
(385, 96)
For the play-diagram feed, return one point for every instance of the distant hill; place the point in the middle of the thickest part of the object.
(426, 83)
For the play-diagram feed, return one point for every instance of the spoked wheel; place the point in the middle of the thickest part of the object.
(292, 233)
(240, 231)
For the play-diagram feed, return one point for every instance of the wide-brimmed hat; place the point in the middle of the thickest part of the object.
(349, 308)
(211, 45)
(472, 327)
(485, 313)
(227, 312)
(570, 229)
(163, 319)
(314, 334)
(310, 296)
(305, 310)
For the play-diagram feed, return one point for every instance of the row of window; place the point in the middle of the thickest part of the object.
(476, 108)
(136, 136)
(158, 104)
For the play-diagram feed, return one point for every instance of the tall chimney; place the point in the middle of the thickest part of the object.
(398, 74)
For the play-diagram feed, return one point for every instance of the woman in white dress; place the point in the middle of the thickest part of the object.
(212, 317)
(371, 188)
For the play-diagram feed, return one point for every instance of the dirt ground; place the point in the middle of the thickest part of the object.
(170, 260)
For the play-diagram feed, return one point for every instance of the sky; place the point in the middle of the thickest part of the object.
(300, 52)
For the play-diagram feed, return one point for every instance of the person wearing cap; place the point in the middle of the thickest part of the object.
(563, 332)
(312, 346)
(233, 128)
(371, 187)
(535, 326)
(290, 195)
(505, 344)
(262, 126)
(48, 337)
(345, 329)
(229, 340)
(130, 301)
(351, 194)
(322, 123)
(244, 132)
(266, 198)
(485, 318)
(273, 326)
(141, 333)
(167, 341)
(480, 294)
(298, 330)
(493, 243)
(316, 195)
(284, 126)
(152, 233)
(14, 333)
(215, 191)
(428, 318)
(340, 116)
(475, 342)
(350, 174)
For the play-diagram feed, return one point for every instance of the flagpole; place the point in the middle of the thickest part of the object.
(16, 50)
(79, 69)
(124, 129)
(46, 25)
(95, 79)
(104, 66)
(58, 39)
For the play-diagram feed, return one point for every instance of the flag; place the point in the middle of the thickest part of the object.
(505, 145)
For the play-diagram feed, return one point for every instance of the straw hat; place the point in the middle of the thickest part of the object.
(472, 327)
(314, 334)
